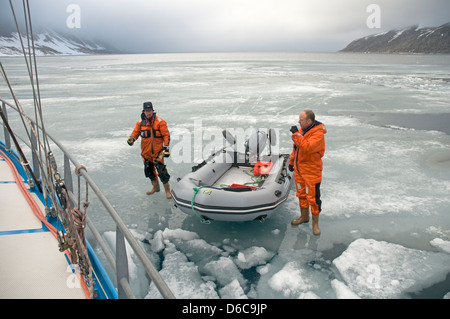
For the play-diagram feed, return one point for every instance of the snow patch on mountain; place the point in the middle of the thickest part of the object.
(410, 40)
(52, 43)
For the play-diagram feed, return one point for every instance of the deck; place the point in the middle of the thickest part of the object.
(31, 265)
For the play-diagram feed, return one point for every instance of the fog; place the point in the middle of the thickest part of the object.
(232, 25)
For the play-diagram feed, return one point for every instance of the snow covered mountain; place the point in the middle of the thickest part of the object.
(52, 43)
(410, 40)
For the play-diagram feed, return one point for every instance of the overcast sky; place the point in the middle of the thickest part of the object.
(228, 25)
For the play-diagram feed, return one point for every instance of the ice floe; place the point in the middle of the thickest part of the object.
(441, 244)
(367, 268)
(292, 280)
(253, 256)
(378, 269)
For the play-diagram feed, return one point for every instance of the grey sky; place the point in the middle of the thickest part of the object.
(230, 25)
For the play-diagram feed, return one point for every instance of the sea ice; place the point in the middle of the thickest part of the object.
(378, 269)
(253, 256)
(182, 277)
(292, 280)
(179, 234)
(386, 173)
(441, 244)
(137, 277)
(342, 291)
(225, 271)
(196, 250)
(308, 295)
(232, 291)
(157, 243)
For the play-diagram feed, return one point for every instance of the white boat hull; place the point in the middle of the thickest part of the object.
(223, 189)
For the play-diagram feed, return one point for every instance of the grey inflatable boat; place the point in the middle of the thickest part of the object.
(236, 186)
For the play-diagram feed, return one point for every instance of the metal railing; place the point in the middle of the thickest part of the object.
(120, 263)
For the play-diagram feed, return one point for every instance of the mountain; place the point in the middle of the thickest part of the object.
(410, 40)
(53, 43)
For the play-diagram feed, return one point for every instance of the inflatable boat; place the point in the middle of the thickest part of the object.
(236, 186)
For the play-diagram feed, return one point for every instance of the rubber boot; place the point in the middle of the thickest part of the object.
(167, 189)
(155, 189)
(315, 225)
(304, 217)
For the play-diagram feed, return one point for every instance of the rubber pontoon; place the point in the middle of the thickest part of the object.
(229, 187)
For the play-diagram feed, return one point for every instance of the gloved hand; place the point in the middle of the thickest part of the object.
(291, 168)
(130, 141)
(293, 129)
(166, 151)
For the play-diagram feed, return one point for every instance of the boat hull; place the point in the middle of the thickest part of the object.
(24, 237)
(225, 190)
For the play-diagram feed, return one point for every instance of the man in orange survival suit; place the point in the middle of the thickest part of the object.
(306, 162)
(155, 139)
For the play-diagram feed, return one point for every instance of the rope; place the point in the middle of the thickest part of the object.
(76, 218)
(256, 180)
(79, 221)
(76, 221)
(43, 144)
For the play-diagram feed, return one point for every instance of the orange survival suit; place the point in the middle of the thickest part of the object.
(306, 158)
(154, 135)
